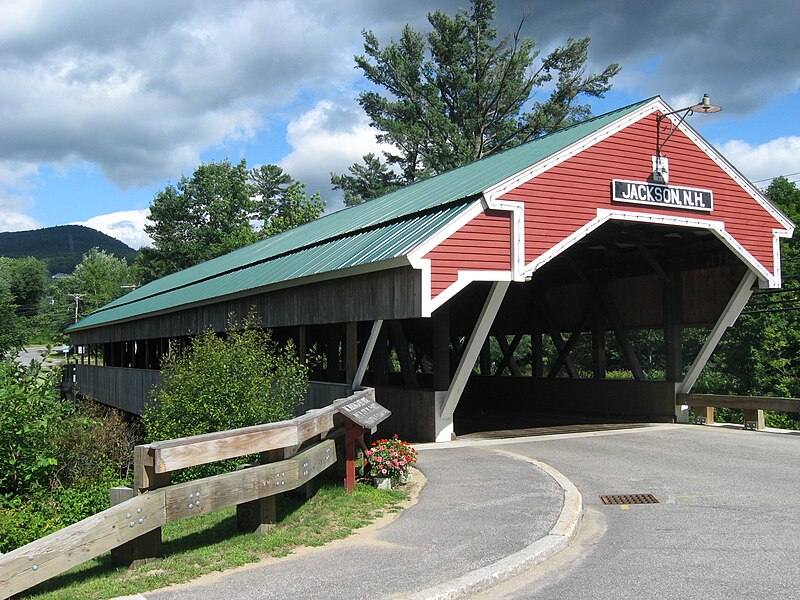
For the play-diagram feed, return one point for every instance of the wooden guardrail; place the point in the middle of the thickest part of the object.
(753, 406)
(131, 528)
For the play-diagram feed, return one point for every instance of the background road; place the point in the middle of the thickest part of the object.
(727, 525)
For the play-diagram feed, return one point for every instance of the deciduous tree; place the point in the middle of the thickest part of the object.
(220, 208)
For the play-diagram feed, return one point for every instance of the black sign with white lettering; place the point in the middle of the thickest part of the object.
(668, 196)
(364, 411)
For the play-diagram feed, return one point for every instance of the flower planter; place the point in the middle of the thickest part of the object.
(383, 483)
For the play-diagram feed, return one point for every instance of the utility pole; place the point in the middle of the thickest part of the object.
(77, 298)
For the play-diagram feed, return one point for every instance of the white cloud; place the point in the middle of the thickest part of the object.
(15, 186)
(328, 138)
(127, 226)
(780, 156)
(141, 89)
(16, 221)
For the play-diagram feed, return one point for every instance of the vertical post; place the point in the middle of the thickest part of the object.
(301, 342)
(486, 358)
(332, 352)
(260, 515)
(537, 351)
(351, 350)
(755, 415)
(381, 354)
(146, 548)
(598, 346)
(673, 324)
(706, 412)
(351, 434)
(440, 323)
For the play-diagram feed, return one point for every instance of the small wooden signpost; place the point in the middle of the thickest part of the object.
(361, 414)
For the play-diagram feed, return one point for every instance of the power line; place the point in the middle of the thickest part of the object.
(776, 176)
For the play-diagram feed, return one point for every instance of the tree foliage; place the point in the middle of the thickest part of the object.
(370, 180)
(225, 382)
(760, 354)
(26, 278)
(201, 217)
(220, 208)
(97, 280)
(58, 459)
(281, 202)
(458, 93)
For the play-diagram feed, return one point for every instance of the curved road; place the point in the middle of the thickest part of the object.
(727, 524)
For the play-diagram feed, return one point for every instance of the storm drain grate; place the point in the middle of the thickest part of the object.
(629, 499)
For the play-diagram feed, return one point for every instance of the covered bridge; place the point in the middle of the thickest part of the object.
(500, 290)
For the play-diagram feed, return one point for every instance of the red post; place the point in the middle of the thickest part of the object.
(351, 434)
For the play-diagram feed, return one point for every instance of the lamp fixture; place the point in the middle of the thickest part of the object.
(660, 163)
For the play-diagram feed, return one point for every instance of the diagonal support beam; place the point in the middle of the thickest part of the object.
(726, 319)
(367, 355)
(473, 348)
(624, 342)
(508, 355)
(548, 319)
(570, 344)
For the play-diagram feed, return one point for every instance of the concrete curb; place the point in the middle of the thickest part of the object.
(539, 551)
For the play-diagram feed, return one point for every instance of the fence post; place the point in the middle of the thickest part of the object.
(146, 548)
(259, 516)
(754, 415)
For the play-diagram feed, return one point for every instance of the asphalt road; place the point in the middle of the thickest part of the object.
(478, 507)
(727, 523)
(31, 353)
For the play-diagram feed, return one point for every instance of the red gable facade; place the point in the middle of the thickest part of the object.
(532, 217)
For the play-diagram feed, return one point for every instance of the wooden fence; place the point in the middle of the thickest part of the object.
(753, 406)
(131, 528)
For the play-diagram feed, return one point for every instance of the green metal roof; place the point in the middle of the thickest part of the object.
(381, 229)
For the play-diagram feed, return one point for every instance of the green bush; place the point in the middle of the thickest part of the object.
(30, 414)
(59, 460)
(94, 443)
(225, 382)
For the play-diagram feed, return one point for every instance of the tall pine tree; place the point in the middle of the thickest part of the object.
(458, 93)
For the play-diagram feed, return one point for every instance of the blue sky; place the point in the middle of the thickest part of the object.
(104, 102)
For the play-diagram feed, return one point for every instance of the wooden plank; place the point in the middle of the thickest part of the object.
(213, 493)
(196, 450)
(743, 402)
(60, 551)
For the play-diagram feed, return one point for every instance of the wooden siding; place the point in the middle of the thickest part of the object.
(322, 393)
(483, 244)
(121, 387)
(413, 413)
(390, 294)
(566, 197)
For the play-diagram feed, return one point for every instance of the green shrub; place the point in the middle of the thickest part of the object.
(93, 443)
(225, 382)
(23, 521)
(59, 460)
(30, 414)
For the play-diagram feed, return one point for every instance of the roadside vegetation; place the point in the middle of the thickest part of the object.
(209, 543)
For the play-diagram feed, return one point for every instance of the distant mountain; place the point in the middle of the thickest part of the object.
(61, 247)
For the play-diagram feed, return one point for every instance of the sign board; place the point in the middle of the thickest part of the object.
(656, 194)
(364, 411)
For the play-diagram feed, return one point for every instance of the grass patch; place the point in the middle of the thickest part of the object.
(208, 543)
